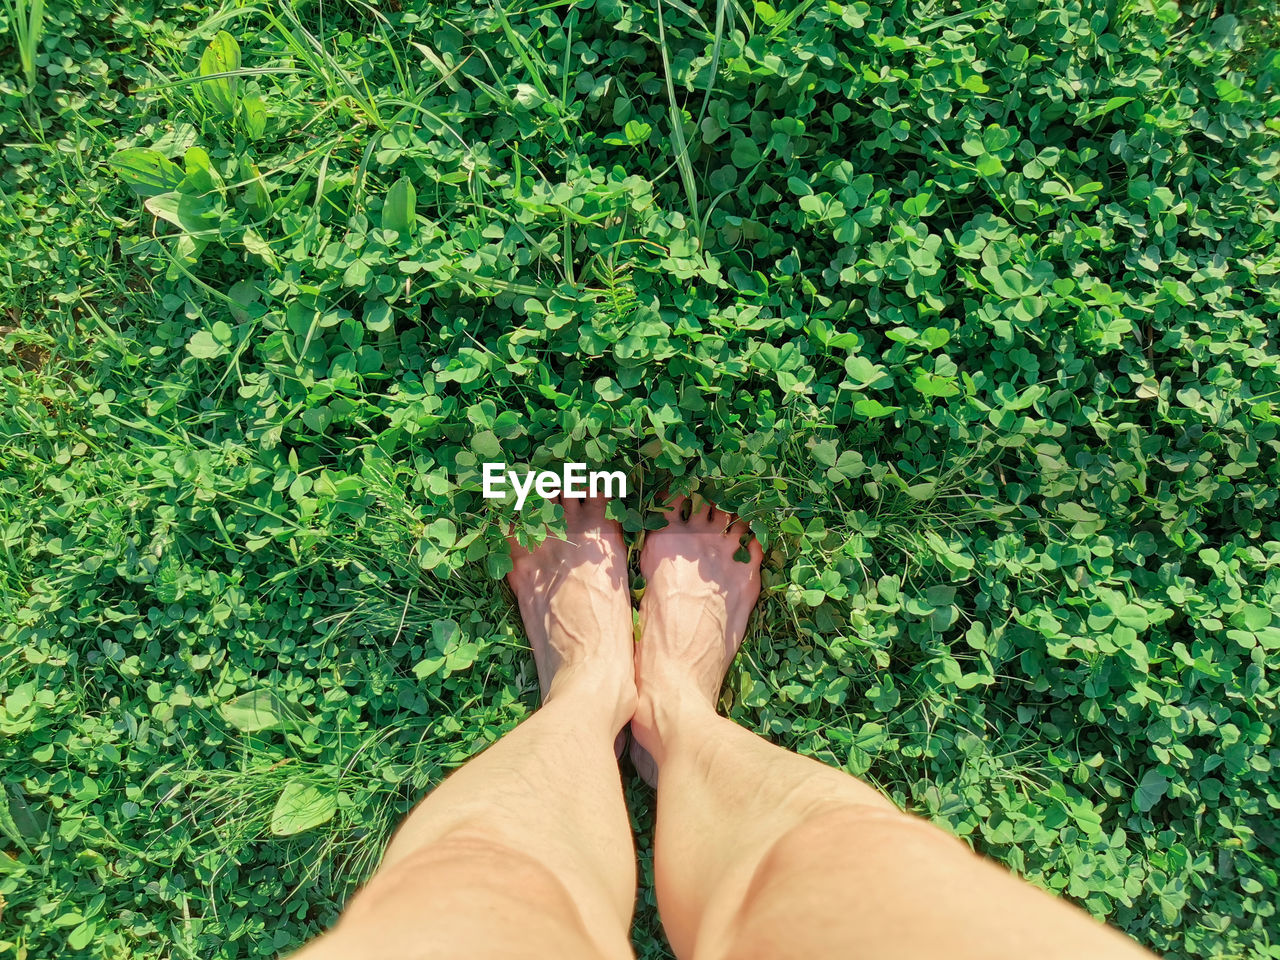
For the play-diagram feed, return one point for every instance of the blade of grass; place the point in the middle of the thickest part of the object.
(26, 23)
(677, 123)
(522, 49)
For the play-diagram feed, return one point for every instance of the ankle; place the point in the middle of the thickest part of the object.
(663, 709)
(598, 687)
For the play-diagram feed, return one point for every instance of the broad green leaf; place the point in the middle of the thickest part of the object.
(766, 12)
(1151, 790)
(636, 132)
(254, 243)
(931, 385)
(194, 215)
(148, 173)
(222, 56)
(302, 806)
(378, 316)
(1075, 512)
(443, 532)
(1112, 104)
(398, 209)
(317, 418)
(1253, 617)
(824, 452)
(253, 117)
(255, 711)
(429, 667)
(203, 346)
(745, 153)
(873, 408)
(82, 935)
(1133, 616)
(256, 191)
(922, 491)
(203, 179)
(863, 371)
(445, 634)
(9, 825)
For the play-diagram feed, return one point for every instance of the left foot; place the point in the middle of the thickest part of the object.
(576, 609)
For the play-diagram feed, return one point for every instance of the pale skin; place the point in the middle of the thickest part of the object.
(526, 851)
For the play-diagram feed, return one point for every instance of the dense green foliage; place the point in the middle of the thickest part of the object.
(971, 308)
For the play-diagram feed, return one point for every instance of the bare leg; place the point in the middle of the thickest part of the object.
(763, 853)
(526, 851)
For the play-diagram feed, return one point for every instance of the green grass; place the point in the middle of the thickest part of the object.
(26, 29)
(970, 308)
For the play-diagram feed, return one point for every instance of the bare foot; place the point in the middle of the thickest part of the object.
(577, 610)
(693, 617)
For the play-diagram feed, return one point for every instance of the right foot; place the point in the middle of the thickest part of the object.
(576, 610)
(693, 617)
